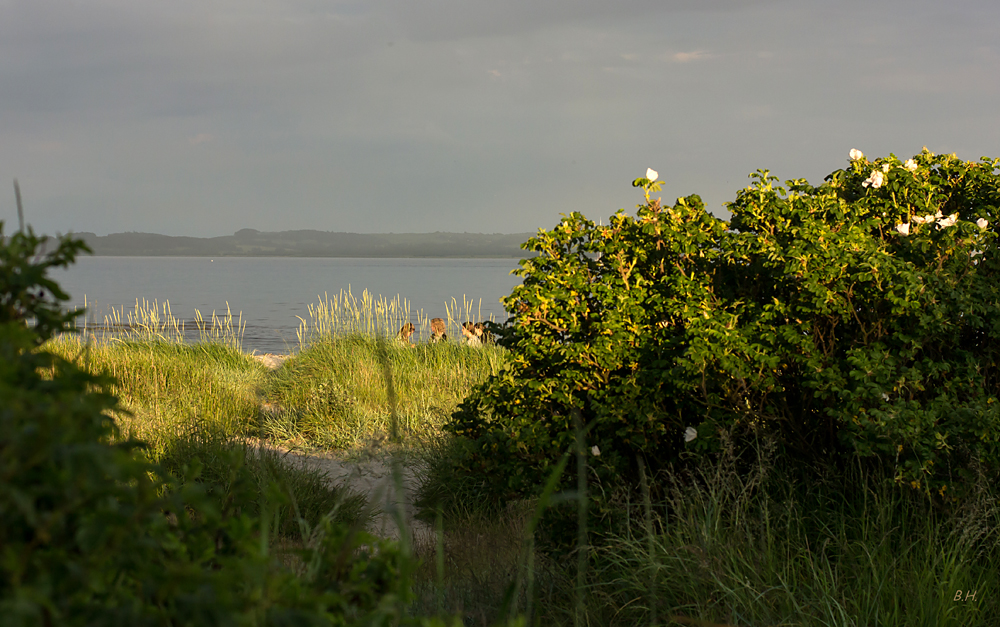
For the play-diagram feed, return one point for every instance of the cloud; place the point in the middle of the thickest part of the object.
(306, 110)
(687, 57)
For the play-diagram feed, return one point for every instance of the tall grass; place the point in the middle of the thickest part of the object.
(346, 314)
(763, 547)
(334, 393)
(331, 395)
(196, 408)
(767, 550)
(153, 321)
(164, 386)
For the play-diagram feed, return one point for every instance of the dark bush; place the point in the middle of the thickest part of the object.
(858, 318)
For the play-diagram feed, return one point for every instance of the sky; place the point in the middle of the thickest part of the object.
(203, 117)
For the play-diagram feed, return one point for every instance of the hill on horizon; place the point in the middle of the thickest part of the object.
(310, 243)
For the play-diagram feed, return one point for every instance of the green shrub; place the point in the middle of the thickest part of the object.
(813, 316)
(27, 294)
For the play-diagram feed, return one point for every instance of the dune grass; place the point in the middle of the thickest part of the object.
(331, 394)
(209, 409)
(164, 386)
(345, 314)
(737, 548)
(334, 395)
(766, 550)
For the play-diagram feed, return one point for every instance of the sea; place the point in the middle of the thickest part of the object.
(270, 295)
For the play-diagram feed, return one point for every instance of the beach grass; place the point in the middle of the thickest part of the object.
(732, 547)
(762, 549)
(334, 395)
(330, 394)
(196, 408)
(345, 314)
(164, 386)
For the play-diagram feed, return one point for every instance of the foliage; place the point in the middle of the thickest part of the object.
(91, 533)
(814, 316)
(27, 292)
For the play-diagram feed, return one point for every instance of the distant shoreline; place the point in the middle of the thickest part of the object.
(322, 244)
(429, 257)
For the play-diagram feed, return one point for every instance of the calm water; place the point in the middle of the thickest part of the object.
(271, 291)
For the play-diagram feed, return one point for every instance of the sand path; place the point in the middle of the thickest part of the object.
(369, 472)
(371, 475)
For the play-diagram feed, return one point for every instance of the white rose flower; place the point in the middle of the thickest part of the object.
(690, 433)
(938, 215)
(929, 218)
(949, 221)
(885, 167)
(875, 180)
(919, 219)
(910, 165)
(596, 452)
(652, 174)
(903, 228)
(856, 155)
(982, 223)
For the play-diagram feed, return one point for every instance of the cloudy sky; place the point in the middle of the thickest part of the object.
(202, 117)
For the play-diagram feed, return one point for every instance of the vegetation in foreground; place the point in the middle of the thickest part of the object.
(849, 325)
(552, 511)
(93, 531)
(730, 545)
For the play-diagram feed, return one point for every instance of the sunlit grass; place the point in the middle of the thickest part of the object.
(153, 321)
(166, 386)
(196, 409)
(345, 314)
(333, 394)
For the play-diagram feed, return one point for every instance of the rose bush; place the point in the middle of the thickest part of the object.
(849, 319)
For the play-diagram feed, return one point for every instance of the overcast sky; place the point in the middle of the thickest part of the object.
(202, 117)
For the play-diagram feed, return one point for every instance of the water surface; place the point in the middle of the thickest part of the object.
(271, 291)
